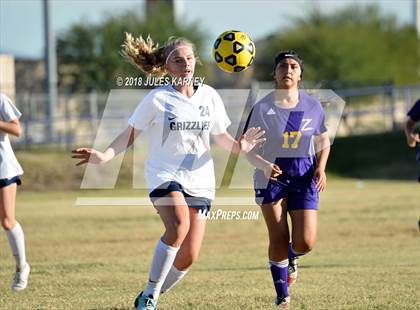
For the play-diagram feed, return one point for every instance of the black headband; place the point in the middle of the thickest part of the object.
(288, 54)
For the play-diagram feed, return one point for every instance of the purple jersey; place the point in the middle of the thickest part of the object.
(289, 134)
(414, 113)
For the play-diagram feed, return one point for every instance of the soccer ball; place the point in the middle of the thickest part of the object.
(233, 51)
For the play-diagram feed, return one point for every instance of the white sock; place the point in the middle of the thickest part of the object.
(17, 244)
(173, 277)
(162, 261)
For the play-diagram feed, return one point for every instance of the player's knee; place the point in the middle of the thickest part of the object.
(181, 230)
(177, 232)
(8, 223)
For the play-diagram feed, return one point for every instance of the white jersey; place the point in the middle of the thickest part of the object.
(178, 129)
(9, 166)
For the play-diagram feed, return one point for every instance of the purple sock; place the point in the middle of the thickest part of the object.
(279, 273)
(292, 254)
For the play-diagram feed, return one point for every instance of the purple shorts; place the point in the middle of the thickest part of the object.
(300, 195)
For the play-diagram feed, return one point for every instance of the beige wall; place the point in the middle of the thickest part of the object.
(7, 75)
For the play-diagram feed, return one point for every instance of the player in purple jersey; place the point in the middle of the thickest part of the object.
(413, 116)
(290, 169)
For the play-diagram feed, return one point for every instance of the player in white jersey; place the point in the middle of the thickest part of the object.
(178, 120)
(10, 170)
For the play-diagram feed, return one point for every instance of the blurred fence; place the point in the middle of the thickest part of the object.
(376, 109)
(77, 116)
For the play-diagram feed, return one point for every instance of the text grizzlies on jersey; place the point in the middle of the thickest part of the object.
(190, 125)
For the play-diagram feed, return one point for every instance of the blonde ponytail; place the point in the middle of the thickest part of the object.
(144, 54)
(147, 55)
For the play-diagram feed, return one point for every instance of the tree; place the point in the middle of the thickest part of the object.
(354, 46)
(88, 54)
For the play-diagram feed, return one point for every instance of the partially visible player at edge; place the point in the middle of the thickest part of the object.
(413, 116)
(179, 168)
(10, 172)
(290, 169)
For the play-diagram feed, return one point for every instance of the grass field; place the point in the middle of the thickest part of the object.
(93, 257)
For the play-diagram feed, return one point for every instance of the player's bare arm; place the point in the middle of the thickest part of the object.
(122, 142)
(12, 127)
(323, 145)
(252, 137)
(271, 170)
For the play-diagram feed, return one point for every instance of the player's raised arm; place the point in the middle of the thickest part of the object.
(252, 137)
(122, 142)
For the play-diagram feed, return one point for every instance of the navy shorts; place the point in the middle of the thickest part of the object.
(300, 195)
(200, 203)
(7, 182)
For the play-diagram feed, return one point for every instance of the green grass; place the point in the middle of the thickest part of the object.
(367, 255)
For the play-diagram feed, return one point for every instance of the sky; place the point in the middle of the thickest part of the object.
(22, 34)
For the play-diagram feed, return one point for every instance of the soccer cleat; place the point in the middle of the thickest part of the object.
(20, 281)
(292, 271)
(283, 302)
(136, 301)
(145, 302)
